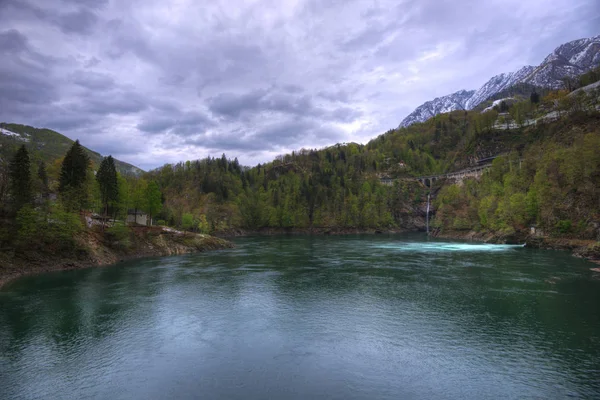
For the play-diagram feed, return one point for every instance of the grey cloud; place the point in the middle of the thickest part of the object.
(335, 95)
(65, 120)
(81, 22)
(234, 105)
(246, 77)
(122, 103)
(287, 102)
(156, 124)
(23, 76)
(272, 137)
(92, 80)
(91, 62)
(183, 124)
(12, 41)
(345, 114)
(89, 3)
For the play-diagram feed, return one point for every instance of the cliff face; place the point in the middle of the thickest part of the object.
(94, 249)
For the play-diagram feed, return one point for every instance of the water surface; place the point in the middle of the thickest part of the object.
(352, 317)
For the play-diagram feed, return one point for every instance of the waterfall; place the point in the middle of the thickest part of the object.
(427, 220)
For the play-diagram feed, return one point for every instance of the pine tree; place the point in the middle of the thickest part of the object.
(43, 177)
(73, 176)
(108, 183)
(20, 178)
(534, 98)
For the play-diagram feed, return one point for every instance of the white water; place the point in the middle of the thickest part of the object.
(447, 246)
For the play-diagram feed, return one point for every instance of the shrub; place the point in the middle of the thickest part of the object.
(55, 228)
(564, 226)
(119, 235)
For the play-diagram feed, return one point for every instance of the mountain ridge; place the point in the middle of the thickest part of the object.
(48, 145)
(568, 60)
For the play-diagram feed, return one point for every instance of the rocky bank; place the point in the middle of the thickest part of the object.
(94, 249)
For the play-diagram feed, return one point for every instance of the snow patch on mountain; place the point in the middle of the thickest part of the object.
(439, 105)
(497, 84)
(17, 136)
(496, 103)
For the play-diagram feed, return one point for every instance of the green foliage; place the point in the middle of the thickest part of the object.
(589, 77)
(20, 178)
(202, 224)
(187, 221)
(56, 229)
(137, 194)
(564, 226)
(553, 185)
(44, 187)
(119, 235)
(153, 199)
(74, 176)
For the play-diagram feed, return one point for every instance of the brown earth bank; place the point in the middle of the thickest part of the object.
(93, 249)
(588, 249)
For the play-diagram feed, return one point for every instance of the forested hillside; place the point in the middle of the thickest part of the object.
(540, 137)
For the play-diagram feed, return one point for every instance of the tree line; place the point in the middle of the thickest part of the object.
(48, 208)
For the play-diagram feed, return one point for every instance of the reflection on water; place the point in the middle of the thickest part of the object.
(372, 317)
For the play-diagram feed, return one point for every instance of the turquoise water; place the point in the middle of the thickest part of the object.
(350, 317)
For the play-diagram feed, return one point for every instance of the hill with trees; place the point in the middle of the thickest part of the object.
(341, 187)
(47, 145)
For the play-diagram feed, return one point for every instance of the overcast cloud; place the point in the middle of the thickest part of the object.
(159, 81)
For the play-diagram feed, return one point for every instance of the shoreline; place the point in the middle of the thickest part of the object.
(308, 232)
(96, 253)
(580, 248)
(159, 242)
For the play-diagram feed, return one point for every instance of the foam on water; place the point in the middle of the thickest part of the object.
(445, 246)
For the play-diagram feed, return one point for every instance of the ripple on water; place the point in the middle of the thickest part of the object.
(353, 318)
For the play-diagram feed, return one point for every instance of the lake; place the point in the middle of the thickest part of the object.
(348, 317)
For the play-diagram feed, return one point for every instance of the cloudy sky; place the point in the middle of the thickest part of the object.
(157, 81)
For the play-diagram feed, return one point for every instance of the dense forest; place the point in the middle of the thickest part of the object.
(538, 138)
(546, 172)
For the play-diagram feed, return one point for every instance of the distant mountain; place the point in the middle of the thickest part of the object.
(497, 84)
(47, 145)
(439, 105)
(566, 61)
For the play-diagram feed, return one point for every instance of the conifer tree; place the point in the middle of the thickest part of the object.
(107, 181)
(43, 177)
(20, 178)
(73, 176)
(534, 98)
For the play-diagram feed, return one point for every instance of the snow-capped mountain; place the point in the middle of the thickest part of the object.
(451, 102)
(566, 61)
(497, 84)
